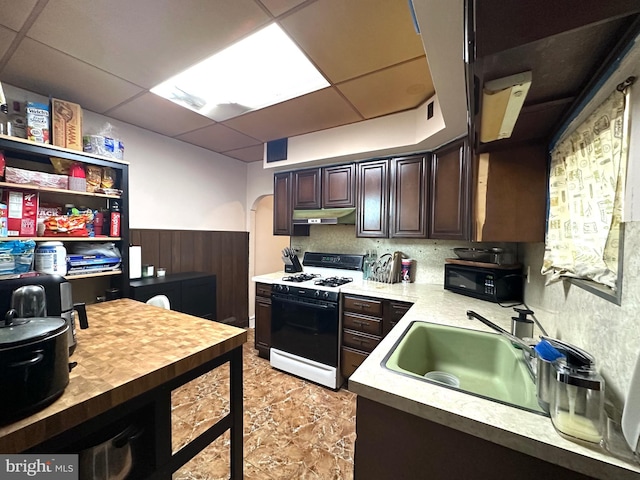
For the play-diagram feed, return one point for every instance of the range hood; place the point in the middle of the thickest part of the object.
(325, 216)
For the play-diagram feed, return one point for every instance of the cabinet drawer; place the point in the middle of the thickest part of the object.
(358, 340)
(397, 310)
(363, 305)
(353, 321)
(351, 359)
(263, 290)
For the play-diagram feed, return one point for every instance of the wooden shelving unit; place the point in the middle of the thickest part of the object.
(17, 150)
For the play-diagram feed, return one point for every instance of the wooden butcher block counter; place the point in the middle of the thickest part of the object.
(130, 351)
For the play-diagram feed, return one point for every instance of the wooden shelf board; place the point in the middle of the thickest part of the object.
(93, 275)
(28, 186)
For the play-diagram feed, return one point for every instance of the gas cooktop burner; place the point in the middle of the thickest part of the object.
(300, 277)
(333, 281)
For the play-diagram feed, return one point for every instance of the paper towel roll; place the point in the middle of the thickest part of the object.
(631, 411)
(135, 261)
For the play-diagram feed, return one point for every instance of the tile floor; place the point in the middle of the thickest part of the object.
(293, 429)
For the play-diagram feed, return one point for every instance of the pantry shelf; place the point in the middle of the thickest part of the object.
(93, 275)
(66, 239)
(27, 186)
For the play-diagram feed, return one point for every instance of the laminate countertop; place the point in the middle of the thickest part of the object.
(511, 427)
(128, 349)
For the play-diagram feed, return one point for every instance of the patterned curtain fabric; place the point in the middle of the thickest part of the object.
(586, 193)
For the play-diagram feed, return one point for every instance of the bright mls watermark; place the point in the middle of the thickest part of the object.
(35, 466)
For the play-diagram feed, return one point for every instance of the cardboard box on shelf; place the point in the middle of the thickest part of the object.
(37, 122)
(66, 124)
(22, 212)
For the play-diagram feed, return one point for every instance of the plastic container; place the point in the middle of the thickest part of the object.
(405, 274)
(577, 406)
(51, 257)
(4, 230)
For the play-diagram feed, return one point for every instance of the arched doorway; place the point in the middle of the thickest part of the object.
(264, 247)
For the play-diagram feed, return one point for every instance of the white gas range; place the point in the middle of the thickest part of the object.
(305, 317)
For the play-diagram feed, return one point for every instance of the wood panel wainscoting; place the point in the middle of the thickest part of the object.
(225, 254)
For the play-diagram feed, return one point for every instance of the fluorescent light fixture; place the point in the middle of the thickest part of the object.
(263, 69)
(502, 100)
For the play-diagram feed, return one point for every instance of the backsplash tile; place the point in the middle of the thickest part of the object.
(429, 255)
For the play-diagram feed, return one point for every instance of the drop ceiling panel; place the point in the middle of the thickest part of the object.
(159, 115)
(219, 138)
(43, 70)
(317, 111)
(14, 15)
(145, 41)
(249, 154)
(6, 38)
(401, 87)
(347, 39)
(278, 7)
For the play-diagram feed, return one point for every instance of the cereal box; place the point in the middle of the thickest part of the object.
(22, 212)
(37, 122)
(66, 124)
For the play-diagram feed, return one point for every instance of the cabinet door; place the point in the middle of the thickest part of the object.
(372, 216)
(393, 312)
(263, 326)
(283, 206)
(199, 297)
(338, 186)
(306, 189)
(282, 210)
(172, 290)
(409, 197)
(449, 193)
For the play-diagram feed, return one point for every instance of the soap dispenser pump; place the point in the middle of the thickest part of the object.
(522, 325)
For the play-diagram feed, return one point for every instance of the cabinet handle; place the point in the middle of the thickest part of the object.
(363, 305)
(361, 323)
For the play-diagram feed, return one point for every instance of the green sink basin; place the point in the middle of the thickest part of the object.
(485, 364)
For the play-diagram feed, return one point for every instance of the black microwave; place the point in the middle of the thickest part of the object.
(499, 284)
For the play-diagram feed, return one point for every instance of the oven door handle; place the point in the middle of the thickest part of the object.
(319, 306)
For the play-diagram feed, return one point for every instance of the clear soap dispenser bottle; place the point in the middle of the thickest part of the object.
(577, 406)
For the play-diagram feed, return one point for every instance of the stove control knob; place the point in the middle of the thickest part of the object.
(325, 294)
(316, 293)
(285, 288)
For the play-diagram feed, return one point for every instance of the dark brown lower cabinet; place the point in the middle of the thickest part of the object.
(263, 319)
(394, 444)
(192, 292)
(365, 322)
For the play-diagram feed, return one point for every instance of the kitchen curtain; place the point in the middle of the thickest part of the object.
(586, 194)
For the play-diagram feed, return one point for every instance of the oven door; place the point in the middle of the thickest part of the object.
(305, 327)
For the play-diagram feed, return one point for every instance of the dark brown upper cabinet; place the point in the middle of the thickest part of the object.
(307, 189)
(338, 186)
(283, 206)
(326, 187)
(409, 197)
(372, 213)
(449, 193)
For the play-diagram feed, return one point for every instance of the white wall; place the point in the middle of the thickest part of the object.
(172, 184)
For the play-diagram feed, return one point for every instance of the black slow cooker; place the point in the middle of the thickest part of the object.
(34, 359)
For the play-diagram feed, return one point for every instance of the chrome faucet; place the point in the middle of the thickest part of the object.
(527, 351)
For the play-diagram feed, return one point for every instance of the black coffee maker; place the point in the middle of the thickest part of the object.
(59, 299)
